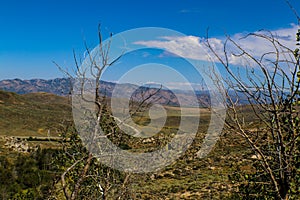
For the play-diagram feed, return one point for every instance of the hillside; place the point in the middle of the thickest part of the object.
(32, 114)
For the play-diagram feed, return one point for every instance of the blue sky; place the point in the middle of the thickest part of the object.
(33, 33)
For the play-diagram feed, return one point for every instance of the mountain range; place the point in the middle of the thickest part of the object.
(58, 86)
(62, 87)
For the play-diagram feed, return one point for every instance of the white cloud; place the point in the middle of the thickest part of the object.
(186, 46)
(185, 86)
(177, 85)
(193, 47)
(258, 46)
(190, 11)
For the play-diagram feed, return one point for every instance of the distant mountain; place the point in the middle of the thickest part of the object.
(58, 86)
(62, 87)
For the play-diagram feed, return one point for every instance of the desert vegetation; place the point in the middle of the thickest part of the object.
(44, 156)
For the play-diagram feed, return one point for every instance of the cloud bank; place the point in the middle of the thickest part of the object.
(193, 47)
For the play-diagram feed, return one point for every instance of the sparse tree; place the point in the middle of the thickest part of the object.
(83, 176)
(268, 86)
